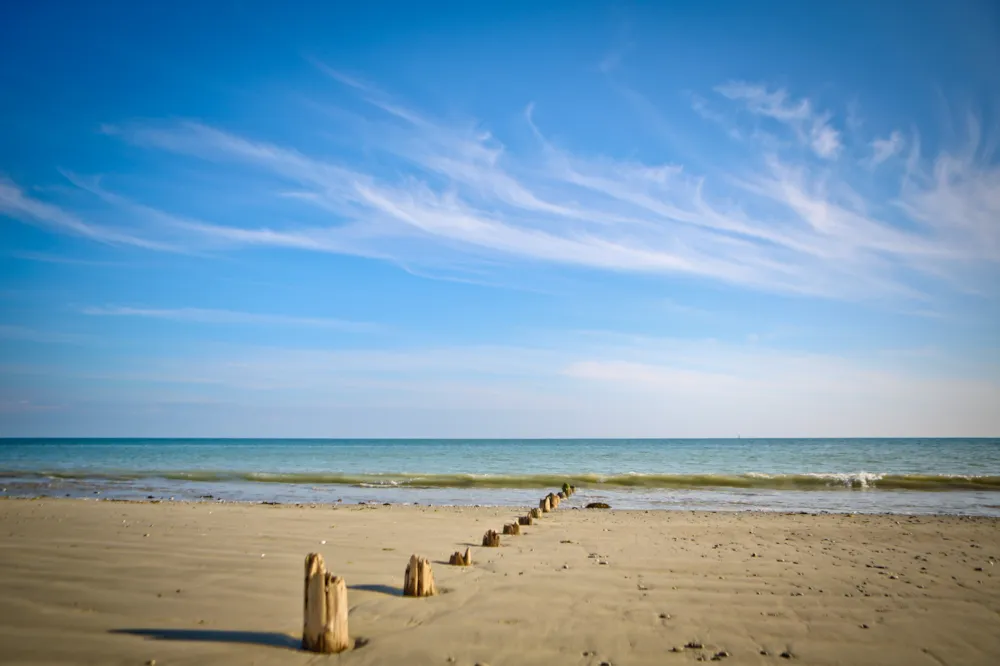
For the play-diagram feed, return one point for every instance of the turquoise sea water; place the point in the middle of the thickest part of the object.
(958, 476)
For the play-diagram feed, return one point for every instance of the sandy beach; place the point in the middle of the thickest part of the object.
(98, 582)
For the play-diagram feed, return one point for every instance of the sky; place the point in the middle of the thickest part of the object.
(517, 219)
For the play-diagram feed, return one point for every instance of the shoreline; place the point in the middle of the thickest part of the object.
(840, 501)
(507, 507)
(900, 476)
(220, 582)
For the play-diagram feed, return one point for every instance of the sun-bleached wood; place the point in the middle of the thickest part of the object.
(335, 637)
(314, 605)
(324, 623)
(545, 504)
(514, 529)
(535, 514)
(419, 579)
(491, 539)
(460, 560)
(525, 520)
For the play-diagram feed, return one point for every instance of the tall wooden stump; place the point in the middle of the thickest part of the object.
(491, 539)
(524, 520)
(553, 501)
(335, 636)
(460, 560)
(568, 489)
(419, 579)
(561, 496)
(535, 514)
(324, 624)
(513, 529)
(545, 505)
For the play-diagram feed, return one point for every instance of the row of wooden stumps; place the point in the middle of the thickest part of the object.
(551, 501)
(547, 504)
(324, 624)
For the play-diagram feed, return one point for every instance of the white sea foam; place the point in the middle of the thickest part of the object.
(850, 479)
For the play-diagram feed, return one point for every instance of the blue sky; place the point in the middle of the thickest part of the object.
(500, 219)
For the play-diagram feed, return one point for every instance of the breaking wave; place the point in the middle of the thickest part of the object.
(809, 481)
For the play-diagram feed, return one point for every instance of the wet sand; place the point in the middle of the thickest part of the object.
(96, 582)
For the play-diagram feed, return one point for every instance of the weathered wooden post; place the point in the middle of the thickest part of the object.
(419, 579)
(561, 496)
(554, 501)
(568, 489)
(491, 539)
(513, 529)
(460, 560)
(524, 520)
(545, 505)
(535, 514)
(324, 623)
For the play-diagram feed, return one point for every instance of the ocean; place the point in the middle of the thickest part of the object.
(909, 476)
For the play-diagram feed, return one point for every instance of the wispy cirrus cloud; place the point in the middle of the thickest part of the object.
(959, 200)
(452, 195)
(883, 149)
(812, 127)
(210, 316)
(14, 202)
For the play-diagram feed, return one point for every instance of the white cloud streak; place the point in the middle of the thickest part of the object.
(452, 195)
(210, 316)
(15, 203)
(883, 149)
(959, 200)
(813, 128)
